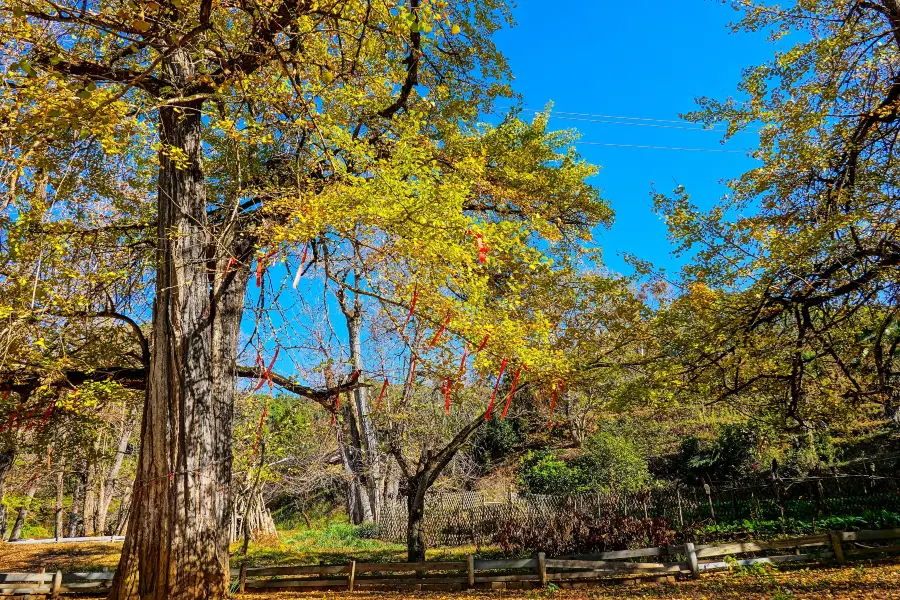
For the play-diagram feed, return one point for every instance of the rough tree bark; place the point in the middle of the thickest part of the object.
(91, 493)
(177, 543)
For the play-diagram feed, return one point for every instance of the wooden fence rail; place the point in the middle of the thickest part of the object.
(566, 571)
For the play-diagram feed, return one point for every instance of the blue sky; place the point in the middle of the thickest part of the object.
(612, 58)
(643, 61)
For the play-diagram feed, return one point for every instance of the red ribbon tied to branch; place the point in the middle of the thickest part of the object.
(381, 395)
(267, 373)
(512, 391)
(480, 244)
(300, 266)
(261, 267)
(412, 307)
(556, 389)
(447, 388)
(440, 332)
(490, 408)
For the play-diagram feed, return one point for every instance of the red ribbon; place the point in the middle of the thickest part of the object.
(261, 267)
(447, 388)
(381, 395)
(300, 266)
(462, 364)
(512, 391)
(484, 343)
(259, 427)
(482, 248)
(412, 307)
(440, 332)
(259, 272)
(490, 407)
(556, 389)
(267, 373)
(231, 262)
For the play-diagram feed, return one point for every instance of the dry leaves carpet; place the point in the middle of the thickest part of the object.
(861, 581)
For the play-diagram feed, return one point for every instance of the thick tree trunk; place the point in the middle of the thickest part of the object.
(415, 523)
(358, 507)
(23, 511)
(177, 541)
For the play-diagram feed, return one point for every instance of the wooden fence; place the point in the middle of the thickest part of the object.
(538, 571)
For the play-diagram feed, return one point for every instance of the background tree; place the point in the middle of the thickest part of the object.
(794, 292)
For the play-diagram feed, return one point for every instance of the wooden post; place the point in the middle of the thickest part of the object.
(242, 578)
(471, 570)
(352, 573)
(57, 583)
(542, 568)
(708, 491)
(680, 513)
(838, 549)
(692, 559)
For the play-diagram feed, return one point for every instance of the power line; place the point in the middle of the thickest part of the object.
(716, 150)
(654, 125)
(601, 118)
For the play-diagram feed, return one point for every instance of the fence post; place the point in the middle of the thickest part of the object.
(470, 559)
(542, 568)
(57, 583)
(838, 549)
(712, 511)
(692, 559)
(352, 573)
(242, 578)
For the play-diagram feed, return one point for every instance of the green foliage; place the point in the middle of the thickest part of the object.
(882, 519)
(734, 452)
(541, 472)
(496, 439)
(336, 534)
(613, 463)
(609, 463)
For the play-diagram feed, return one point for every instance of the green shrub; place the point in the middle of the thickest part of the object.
(609, 462)
(541, 472)
(612, 462)
(496, 440)
(733, 453)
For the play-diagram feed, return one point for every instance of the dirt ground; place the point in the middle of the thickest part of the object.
(860, 581)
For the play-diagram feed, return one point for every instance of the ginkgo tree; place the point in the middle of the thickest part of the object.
(793, 296)
(258, 128)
